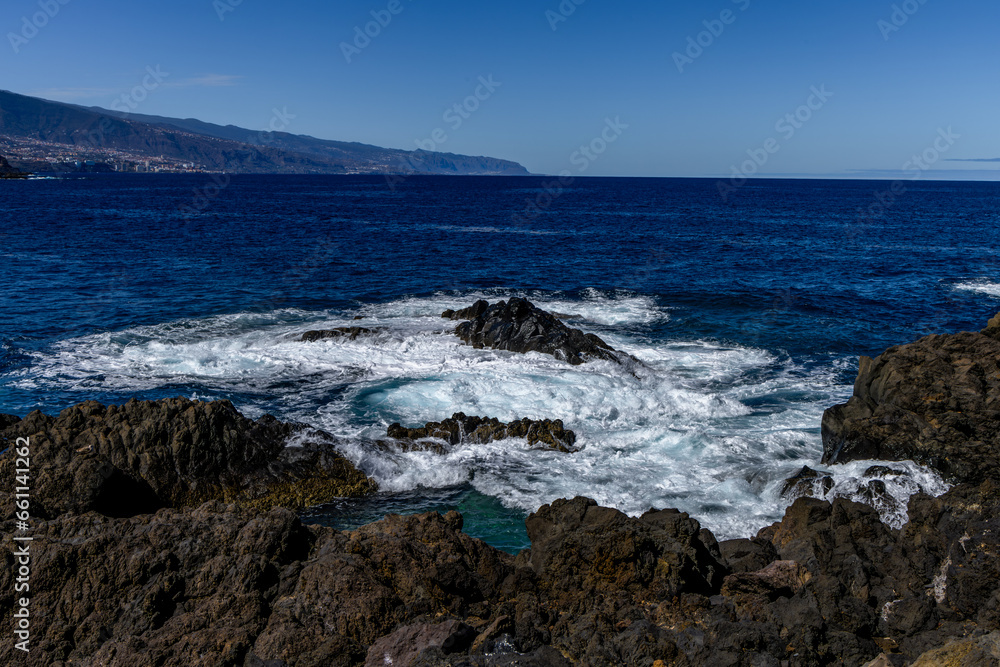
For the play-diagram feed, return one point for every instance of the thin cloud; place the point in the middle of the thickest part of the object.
(71, 94)
(206, 81)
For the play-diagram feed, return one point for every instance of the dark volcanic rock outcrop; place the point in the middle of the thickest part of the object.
(358, 587)
(223, 585)
(145, 455)
(518, 325)
(177, 587)
(935, 401)
(459, 428)
(579, 548)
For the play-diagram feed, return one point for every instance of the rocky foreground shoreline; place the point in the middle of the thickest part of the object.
(164, 533)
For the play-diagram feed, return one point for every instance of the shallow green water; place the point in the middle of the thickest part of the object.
(485, 517)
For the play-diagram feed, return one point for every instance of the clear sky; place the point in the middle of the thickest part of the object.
(561, 74)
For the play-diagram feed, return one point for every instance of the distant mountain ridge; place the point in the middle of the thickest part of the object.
(221, 148)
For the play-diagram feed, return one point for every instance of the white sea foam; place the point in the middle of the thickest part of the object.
(901, 479)
(708, 428)
(591, 307)
(983, 287)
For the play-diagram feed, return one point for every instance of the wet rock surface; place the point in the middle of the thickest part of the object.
(348, 333)
(518, 325)
(935, 401)
(439, 436)
(806, 482)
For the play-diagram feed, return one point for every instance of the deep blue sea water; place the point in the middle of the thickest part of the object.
(750, 314)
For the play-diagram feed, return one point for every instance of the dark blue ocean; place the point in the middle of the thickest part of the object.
(749, 313)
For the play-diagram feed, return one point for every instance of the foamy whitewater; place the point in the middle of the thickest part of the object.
(710, 429)
(981, 286)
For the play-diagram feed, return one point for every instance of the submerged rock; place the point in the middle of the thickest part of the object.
(518, 325)
(146, 455)
(436, 436)
(882, 471)
(935, 401)
(350, 333)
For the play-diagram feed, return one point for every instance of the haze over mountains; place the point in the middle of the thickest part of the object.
(37, 133)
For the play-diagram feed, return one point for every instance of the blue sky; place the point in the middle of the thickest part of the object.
(559, 71)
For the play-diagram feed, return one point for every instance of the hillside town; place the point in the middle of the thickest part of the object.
(39, 156)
